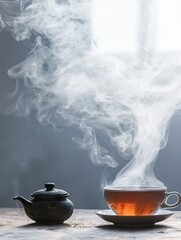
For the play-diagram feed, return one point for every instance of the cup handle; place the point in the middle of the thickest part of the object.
(167, 195)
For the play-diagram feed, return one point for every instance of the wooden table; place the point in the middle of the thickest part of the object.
(84, 224)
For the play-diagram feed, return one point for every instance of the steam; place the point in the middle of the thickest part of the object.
(126, 102)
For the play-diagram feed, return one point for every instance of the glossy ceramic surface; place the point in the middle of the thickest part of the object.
(110, 216)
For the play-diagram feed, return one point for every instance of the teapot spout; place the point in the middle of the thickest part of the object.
(24, 201)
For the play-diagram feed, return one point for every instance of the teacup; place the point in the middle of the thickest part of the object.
(139, 201)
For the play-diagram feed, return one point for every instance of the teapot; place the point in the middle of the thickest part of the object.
(48, 206)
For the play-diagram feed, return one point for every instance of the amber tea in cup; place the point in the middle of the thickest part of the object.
(138, 201)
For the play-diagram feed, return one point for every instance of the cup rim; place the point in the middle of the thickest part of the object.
(136, 188)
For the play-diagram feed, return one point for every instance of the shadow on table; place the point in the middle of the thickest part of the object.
(47, 226)
(110, 227)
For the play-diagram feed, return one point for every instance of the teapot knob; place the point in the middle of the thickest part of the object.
(49, 186)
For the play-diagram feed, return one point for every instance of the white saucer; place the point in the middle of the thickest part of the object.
(110, 216)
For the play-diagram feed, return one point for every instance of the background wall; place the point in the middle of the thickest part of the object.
(32, 154)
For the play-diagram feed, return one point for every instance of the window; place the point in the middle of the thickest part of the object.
(114, 26)
(123, 26)
(168, 25)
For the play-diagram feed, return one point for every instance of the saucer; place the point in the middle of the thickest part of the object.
(110, 216)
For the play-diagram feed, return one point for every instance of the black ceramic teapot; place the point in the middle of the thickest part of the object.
(49, 205)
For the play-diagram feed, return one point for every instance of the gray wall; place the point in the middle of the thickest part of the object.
(32, 154)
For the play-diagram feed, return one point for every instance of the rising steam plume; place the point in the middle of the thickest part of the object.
(127, 101)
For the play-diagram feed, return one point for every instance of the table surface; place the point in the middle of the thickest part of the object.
(84, 224)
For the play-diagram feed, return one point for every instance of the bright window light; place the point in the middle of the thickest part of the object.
(168, 25)
(115, 26)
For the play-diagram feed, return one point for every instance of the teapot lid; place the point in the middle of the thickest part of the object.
(50, 192)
